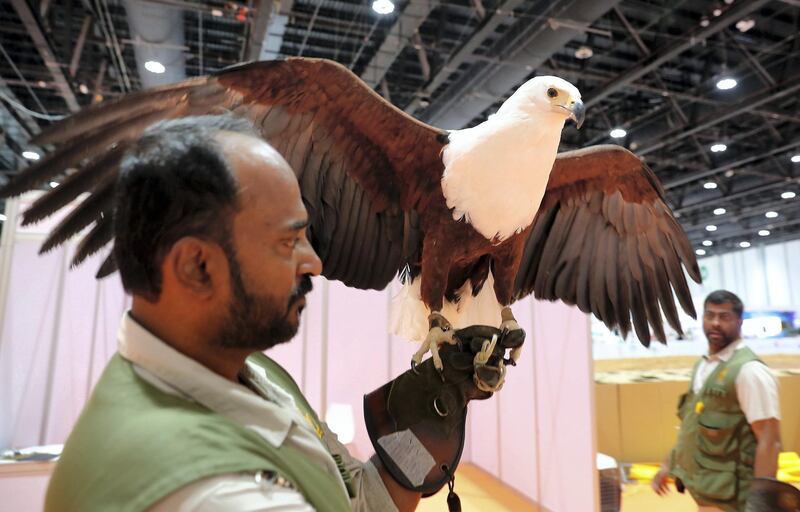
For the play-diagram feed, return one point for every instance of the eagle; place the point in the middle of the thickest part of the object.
(471, 220)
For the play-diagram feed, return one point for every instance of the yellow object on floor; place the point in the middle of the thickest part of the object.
(788, 469)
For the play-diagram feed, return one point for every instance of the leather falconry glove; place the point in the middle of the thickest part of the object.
(416, 422)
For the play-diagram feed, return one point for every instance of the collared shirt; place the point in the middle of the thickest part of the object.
(268, 410)
(756, 387)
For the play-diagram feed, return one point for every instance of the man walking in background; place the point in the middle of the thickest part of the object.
(730, 430)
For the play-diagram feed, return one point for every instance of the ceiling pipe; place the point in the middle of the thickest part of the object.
(162, 26)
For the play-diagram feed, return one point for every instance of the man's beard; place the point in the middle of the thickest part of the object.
(258, 322)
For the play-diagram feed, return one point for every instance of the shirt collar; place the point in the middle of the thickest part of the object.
(726, 353)
(272, 420)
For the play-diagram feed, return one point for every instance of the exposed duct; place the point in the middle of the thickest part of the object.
(158, 35)
(477, 90)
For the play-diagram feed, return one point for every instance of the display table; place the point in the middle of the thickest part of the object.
(23, 483)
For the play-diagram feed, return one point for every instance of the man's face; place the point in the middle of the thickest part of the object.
(271, 261)
(721, 325)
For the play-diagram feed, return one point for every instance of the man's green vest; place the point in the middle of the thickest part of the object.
(135, 444)
(716, 447)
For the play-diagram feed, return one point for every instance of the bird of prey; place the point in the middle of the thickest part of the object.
(488, 214)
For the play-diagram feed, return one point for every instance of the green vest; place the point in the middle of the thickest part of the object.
(716, 447)
(134, 445)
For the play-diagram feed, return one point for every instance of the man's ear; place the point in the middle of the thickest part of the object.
(195, 265)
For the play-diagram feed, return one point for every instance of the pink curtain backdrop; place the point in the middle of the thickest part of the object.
(59, 329)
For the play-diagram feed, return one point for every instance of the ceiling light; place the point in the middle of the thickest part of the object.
(30, 155)
(2, 218)
(154, 66)
(718, 147)
(771, 215)
(716, 12)
(711, 227)
(383, 6)
(618, 133)
(726, 83)
(704, 22)
(763, 232)
(708, 243)
(583, 52)
(83, 89)
(53, 184)
(41, 83)
(709, 185)
(700, 252)
(795, 158)
(217, 13)
(720, 211)
(744, 245)
(745, 24)
(788, 195)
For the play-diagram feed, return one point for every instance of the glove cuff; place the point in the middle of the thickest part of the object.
(419, 456)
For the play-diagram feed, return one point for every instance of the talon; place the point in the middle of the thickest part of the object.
(440, 332)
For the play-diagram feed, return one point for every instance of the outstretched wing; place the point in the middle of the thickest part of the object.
(605, 240)
(362, 164)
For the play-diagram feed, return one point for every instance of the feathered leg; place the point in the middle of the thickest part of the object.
(506, 265)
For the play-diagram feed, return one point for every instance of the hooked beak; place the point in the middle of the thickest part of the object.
(577, 112)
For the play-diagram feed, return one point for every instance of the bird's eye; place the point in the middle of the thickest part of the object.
(552, 93)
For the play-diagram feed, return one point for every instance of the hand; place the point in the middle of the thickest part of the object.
(659, 482)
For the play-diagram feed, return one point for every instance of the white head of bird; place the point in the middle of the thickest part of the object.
(496, 173)
(544, 95)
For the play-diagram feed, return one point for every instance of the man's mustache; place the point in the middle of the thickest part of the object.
(302, 288)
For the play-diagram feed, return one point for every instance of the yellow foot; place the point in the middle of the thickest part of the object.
(440, 332)
(509, 324)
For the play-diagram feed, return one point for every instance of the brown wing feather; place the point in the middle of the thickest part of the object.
(324, 120)
(619, 252)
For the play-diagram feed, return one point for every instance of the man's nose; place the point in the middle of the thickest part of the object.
(311, 264)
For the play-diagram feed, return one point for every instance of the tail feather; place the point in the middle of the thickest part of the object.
(409, 315)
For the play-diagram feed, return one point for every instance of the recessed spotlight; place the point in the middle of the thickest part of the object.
(796, 159)
(720, 211)
(718, 147)
(730, 173)
(709, 185)
(745, 24)
(583, 52)
(711, 227)
(83, 89)
(154, 66)
(788, 195)
(763, 232)
(618, 133)
(708, 243)
(53, 184)
(726, 83)
(744, 245)
(700, 252)
(31, 155)
(217, 13)
(704, 22)
(41, 83)
(771, 215)
(716, 12)
(383, 6)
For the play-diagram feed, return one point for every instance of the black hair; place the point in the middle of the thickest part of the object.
(173, 182)
(725, 297)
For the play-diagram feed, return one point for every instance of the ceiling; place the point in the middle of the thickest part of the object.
(653, 71)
